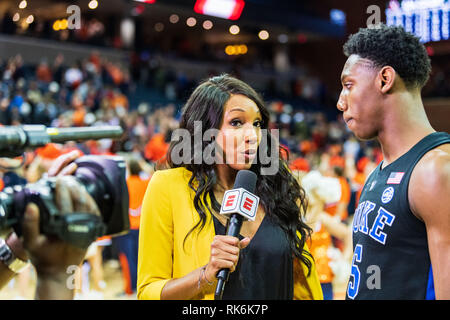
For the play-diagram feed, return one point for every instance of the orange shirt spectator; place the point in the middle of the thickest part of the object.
(136, 190)
(156, 148)
(49, 151)
(337, 161)
(43, 73)
(115, 73)
(341, 206)
(358, 180)
(360, 177)
(307, 146)
(119, 100)
(78, 117)
(300, 164)
(319, 243)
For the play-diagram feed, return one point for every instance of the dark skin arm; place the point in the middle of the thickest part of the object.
(51, 256)
(16, 247)
(429, 190)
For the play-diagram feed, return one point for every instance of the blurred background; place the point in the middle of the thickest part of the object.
(134, 63)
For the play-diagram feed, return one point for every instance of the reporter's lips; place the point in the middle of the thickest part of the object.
(249, 154)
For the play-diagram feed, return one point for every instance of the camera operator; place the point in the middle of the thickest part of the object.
(49, 255)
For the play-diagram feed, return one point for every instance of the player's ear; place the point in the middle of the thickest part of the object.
(386, 78)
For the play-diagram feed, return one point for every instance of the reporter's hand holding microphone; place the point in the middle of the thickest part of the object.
(225, 252)
(238, 204)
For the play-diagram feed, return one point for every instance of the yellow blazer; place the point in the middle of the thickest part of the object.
(167, 215)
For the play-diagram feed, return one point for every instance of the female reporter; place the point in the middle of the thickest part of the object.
(182, 244)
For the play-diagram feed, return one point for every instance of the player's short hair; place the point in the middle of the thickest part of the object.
(392, 46)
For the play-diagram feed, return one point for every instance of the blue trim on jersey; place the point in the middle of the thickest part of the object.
(430, 294)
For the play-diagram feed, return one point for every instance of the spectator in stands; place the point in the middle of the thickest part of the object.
(137, 182)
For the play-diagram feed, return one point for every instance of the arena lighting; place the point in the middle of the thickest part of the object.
(191, 21)
(137, 10)
(207, 25)
(227, 9)
(63, 24)
(60, 24)
(174, 18)
(56, 26)
(23, 4)
(427, 19)
(242, 49)
(338, 17)
(234, 29)
(159, 27)
(127, 31)
(30, 19)
(263, 35)
(232, 50)
(93, 4)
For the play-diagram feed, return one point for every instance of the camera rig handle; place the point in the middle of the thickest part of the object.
(15, 139)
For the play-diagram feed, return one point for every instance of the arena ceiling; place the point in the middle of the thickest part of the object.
(291, 18)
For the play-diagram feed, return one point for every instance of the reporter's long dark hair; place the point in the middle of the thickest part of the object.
(280, 194)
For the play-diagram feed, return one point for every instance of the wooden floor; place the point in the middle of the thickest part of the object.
(112, 291)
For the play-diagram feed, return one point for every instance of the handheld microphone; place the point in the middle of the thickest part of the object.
(238, 203)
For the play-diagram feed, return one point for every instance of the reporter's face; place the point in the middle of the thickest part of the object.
(240, 132)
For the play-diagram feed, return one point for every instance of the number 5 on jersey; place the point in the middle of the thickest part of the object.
(353, 284)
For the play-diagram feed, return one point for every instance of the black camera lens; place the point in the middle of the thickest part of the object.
(104, 179)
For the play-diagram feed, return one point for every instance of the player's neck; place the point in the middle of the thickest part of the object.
(405, 124)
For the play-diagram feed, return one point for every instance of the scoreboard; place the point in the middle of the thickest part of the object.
(427, 19)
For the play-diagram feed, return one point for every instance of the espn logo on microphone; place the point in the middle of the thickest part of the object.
(240, 201)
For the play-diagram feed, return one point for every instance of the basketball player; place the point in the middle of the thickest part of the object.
(401, 228)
